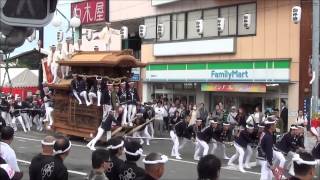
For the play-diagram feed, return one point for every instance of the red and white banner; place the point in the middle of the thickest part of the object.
(90, 11)
(47, 75)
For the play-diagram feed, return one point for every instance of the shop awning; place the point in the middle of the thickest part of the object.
(262, 71)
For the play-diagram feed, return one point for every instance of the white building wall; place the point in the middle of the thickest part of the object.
(89, 45)
(131, 9)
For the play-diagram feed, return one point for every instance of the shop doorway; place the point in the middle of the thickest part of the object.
(250, 103)
(184, 99)
(270, 104)
(239, 100)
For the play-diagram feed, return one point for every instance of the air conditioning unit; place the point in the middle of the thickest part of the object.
(60, 36)
(160, 30)
(296, 14)
(142, 31)
(124, 32)
(246, 21)
(220, 24)
(199, 26)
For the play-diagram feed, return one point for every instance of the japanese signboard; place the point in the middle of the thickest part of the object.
(91, 11)
(234, 87)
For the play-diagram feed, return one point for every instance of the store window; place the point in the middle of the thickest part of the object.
(168, 86)
(178, 86)
(230, 101)
(247, 9)
(165, 20)
(230, 24)
(158, 86)
(214, 100)
(210, 22)
(283, 88)
(188, 86)
(192, 31)
(178, 26)
(151, 24)
(270, 104)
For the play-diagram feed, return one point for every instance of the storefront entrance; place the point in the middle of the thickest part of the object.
(184, 92)
(238, 100)
(250, 103)
(184, 98)
(266, 102)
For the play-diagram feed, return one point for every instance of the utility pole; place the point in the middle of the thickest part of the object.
(315, 53)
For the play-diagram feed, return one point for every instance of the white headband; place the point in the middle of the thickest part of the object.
(116, 147)
(47, 143)
(293, 127)
(270, 122)
(249, 127)
(212, 121)
(60, 151)
(296, 158)
(163, 160)
(226, 124)
(137, 153)
(314, 131)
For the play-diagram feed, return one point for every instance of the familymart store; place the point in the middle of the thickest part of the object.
(242, 83)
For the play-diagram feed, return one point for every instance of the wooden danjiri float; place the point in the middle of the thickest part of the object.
(74, 119)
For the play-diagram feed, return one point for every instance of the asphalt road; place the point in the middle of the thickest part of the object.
(27, 145)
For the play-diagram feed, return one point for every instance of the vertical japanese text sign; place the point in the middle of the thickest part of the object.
(91, 11)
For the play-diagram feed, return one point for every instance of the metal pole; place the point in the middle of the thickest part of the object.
(315, 54)
(65, 19)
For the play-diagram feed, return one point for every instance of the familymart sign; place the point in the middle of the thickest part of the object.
(238, 71)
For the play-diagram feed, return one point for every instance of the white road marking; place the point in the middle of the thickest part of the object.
(130, 137)
(176, 160)
(231, 168)
(38, 140)
(70, 171)
(21, 140)
(23, 161)
(183, 161)
(234, 168)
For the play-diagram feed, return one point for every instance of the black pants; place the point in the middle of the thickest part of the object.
(285, 125)
(166, 123)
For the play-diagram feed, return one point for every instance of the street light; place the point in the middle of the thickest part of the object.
(56, 21)
(74, 22)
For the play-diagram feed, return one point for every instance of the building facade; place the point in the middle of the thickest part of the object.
(236, 64)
